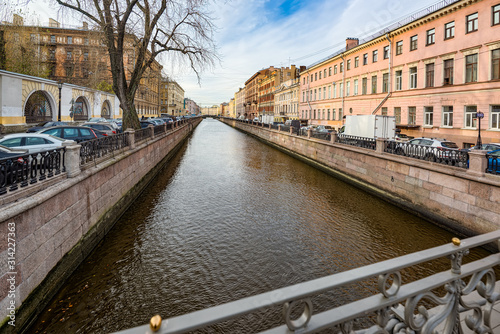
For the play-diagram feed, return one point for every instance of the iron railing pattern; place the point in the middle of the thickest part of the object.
(23, 170)
(442, 155)
(142, 134)
(321, 135)
(159, 129)
(493, 164)
(363, 142)
(433, 304)
(94, 149)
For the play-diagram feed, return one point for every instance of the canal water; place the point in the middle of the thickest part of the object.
(228, 218)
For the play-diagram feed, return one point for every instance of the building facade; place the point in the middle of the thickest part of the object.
(433, 73)
(191, 107)
(286, 99)
(172, 98)
(239, 98)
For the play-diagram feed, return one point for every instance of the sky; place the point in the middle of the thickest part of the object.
(254, 34)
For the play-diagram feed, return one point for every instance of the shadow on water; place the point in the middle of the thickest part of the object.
(228, 218)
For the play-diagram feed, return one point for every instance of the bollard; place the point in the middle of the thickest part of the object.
(130, 138)
(72, 158)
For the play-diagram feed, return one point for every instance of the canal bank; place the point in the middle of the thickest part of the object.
(60, 225)
(463, 202)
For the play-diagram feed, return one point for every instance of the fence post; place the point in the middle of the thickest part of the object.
(279, 127)
(291, 130)
(131, 138)
(379, 145)
(309, 133)
(477, 162)
(72, 158)
(151, 131)
(334, 137)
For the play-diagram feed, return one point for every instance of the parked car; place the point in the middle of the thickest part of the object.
(324, 129)
(256, 119)
(493, 161)
(32, 142)
(106, 128)
(146, 123)
(485, 147)
(430, 149)
(43, 125)
(76, 133)
(7, 152)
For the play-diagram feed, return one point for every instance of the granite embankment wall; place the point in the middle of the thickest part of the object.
(466, 202)
(57, 227)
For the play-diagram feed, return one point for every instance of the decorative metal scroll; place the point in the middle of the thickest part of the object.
(357, 141)
(94, 149)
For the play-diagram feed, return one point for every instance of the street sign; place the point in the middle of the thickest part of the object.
(479, 115)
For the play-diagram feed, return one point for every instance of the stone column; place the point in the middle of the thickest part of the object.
(309, 133)
(334, 137)
(279, 127)
(131, 137)
(477, 162)
(151, 131)
(380, 145)
(72, 158)
(291, 130)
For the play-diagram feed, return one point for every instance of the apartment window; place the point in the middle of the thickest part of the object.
(399, 80)
(397, 115)
(69, 55)
(52, 38)
(471, 68)
(374, 84)
(341, 67)
(340, 114)
(449, 30)
(329, 71)
(413, 77)
(324, 93)
(356, 62)
(85, 56)
(386, 52)
(495, 117)
(348, 88)
(431, 35)
(304, 81)
(356, 87)
(384, 111)
(399, 48)
(428, 115)
(413, 42)
(329, 92)
(348, 64)
(86, 41)
(495, 64)
(448, 72)
(429, 75)
(495, 15)
(341, 90)
(70, 40)
(315, 95)
(333, 114)
(364, 86)
(304, 96)
(412, 115)
(385, 83)
(471, 23)
(328, 115)
(375, 56)
(316, 76)
(312, 77)
(334, 89)
(365, 59)
(335, 69)
(470, 116)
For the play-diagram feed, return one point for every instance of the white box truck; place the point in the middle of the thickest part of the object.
(370, 126)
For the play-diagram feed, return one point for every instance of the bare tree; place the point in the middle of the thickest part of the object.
(159, 26)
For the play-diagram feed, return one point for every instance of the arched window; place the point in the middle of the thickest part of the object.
(37, 108)
(80, 110)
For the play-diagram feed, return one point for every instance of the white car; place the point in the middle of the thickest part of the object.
(33, 142)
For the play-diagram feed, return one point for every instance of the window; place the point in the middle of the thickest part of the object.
(312, 77)
(52, 54)
(412, 115)
(316, 76)
(341, 89)
(335, 69)
(399, 80)
(86, 41)
(304, 81)
(495, 117)
(471, 68)
(471, 23)
(495, 64)
(448, 72)
(348, 64)
(328, 114)
(428, 114)
(333, 114)
(347, 88)
(374, 84)
(70, 40)
(324, 93)
(386, 52)
(329, 92)
(315, 95)
(69, 55)
(365, 59)
(413, 77)
(384, 111)
(397, 115)
(355, 86)
(385, 83)
(85, 56)
(429, 75)
(341, 67)
(495, 15)
(413, 42)
(52, 38)
(470, 116)
(356, 62)
(375, 56)
(399, 48)
(449, 30)
(431, 35)
(334, 90)
(329, 71)
(340, 114)
(364, 86)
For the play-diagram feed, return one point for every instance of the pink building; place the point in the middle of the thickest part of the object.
(432, 73)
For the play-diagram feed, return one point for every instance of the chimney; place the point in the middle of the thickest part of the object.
(351, 42)
(18, 20)
(53, 23)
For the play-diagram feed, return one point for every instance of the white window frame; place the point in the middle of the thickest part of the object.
(469, 121)
(495, 117)
(428, 116)
(413, 77)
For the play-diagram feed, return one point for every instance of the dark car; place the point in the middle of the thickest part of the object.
(146, 123)
(41, 126)
(76, 133)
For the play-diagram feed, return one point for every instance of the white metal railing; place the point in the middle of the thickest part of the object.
(391, 316)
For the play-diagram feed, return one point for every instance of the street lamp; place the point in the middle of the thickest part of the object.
(479, 115)
(59, 85)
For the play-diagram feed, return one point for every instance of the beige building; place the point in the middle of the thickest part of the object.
(239, 98)
(286, 99)
(172, 98)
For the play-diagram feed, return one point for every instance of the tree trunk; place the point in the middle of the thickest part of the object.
(130, 119)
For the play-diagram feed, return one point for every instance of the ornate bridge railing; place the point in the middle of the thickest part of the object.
(357, 141)
(433, 304)
(94, 149)
(23, 170)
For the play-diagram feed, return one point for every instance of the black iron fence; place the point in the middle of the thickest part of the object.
(159, 129)
(142, 134)
(363, 142)
(442, 155)
(23, 170)
(97, 148)
(321, 135)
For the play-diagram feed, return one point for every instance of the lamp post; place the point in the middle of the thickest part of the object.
(59, 85)
(479, 115)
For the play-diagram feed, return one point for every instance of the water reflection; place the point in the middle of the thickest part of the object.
(228, 218)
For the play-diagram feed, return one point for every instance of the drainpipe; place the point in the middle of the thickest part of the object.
(343, 82)
(389, 90)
